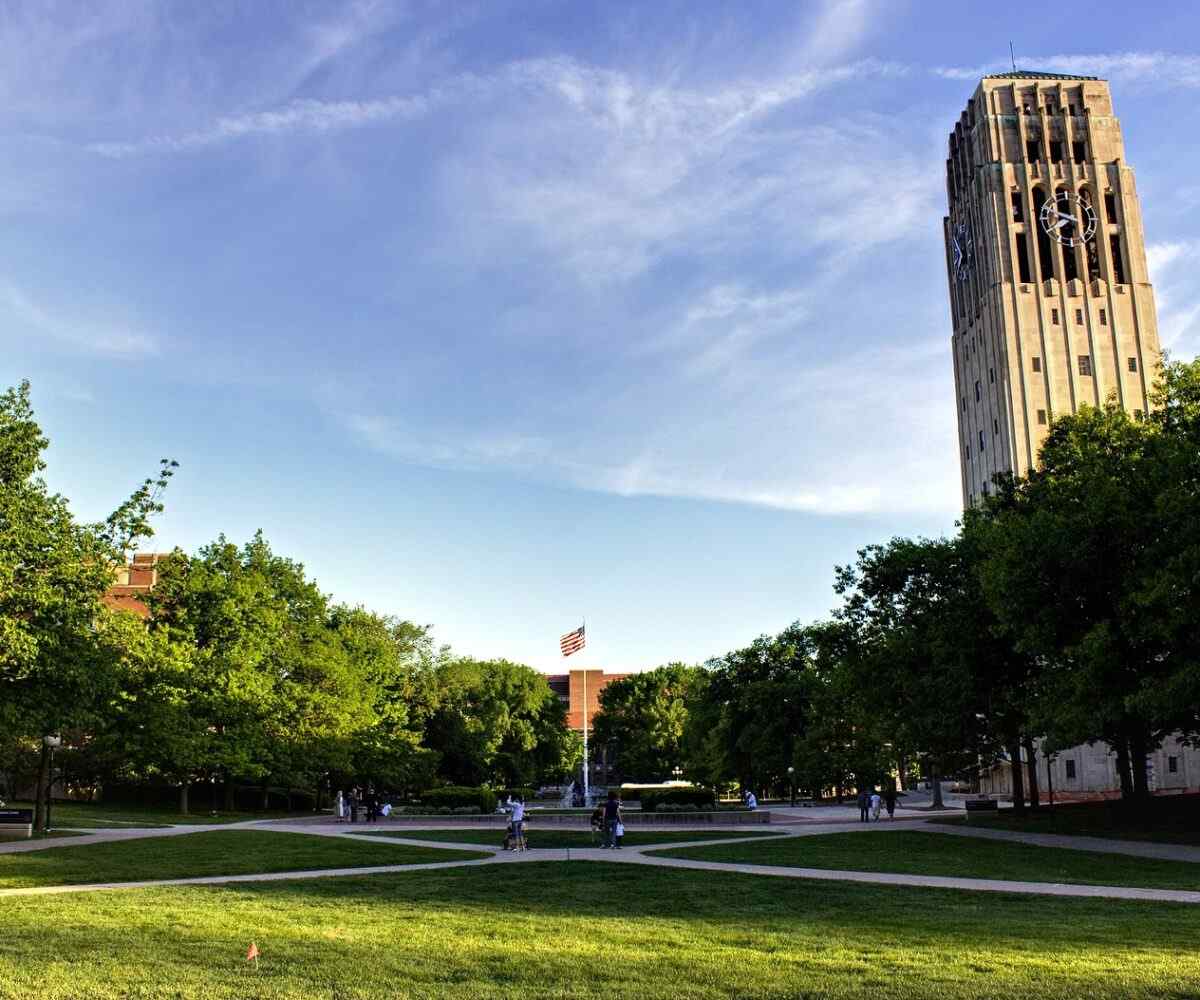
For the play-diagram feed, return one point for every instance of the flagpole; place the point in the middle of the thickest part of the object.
(585, 745)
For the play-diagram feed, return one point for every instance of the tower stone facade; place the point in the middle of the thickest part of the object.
(1050, 299)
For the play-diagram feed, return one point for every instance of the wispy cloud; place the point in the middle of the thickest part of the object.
(113, 340)
(1177, 293)
(1156, 69)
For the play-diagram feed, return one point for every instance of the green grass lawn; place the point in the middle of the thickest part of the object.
(552, 838)
(218, 852)
(1167, 819)
(97, 815)
(589, 930)
(915, 853)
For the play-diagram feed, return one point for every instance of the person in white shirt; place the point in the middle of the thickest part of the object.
(875, 800)
(517, 826)
(751, 801)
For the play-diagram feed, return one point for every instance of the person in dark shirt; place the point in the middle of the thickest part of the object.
(612, 816)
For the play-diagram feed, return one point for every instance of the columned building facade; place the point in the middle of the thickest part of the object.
(1050, 300)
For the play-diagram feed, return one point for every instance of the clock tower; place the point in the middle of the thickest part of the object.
(1050, 301)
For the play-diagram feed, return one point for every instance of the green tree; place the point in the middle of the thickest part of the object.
(644, 716)
(54, 675)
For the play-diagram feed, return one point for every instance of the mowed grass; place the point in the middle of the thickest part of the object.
(218, 852)
(97, 815)
(560, 839)
(917, 853)
(1167, 819)
(590, 930)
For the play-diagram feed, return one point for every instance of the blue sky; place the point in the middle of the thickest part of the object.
(498, 315)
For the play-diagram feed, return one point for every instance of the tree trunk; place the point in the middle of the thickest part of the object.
(184, 788)
(1137, 764)
(43, 791)
(935, 779)
(266, 798)
(229, 793)
(1123, 773)
(1018, 780)
(1031, 766)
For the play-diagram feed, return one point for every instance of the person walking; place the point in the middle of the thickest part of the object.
(339, 807)
(517, 824)
(875, 803)
(864, 806)
(612, 818)
(889, 800)
(354, 805)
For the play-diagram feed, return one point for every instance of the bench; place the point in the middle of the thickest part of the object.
(981, 806)
(16, 824)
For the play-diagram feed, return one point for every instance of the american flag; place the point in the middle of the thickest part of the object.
(572, 642)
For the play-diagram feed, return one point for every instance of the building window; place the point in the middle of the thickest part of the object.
(1044, 251)
(1018, 208)
(977, 390)
(1172, 765)
(1104, 317)
(964, 404)
(1078, 151)
(1055, 152)
(992, 375)
(995, 426)
(968, 448)
(981, 440)
(1023, 271)
(1133, 365)
(1079, 316)
(1085, 364)
(1054, 316)
(1042, 417)
(1032, 152)
(1037, 364)
(1110, 206)
(1118, 262)
(1074, 110)
(1070, 770)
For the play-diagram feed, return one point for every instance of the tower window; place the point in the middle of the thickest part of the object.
(1110, 206)
(1118, 263)
(1104, 317)
(1023, 271)
(1055, 151)
(1042, 417)
(1018, 208)
(1133, 364)
(1074, 110)
(995, 426)
(1085, 364)
(1054, 316)
(1037, 364)
(977, 390)
(992, 375)
(1078, 151)
(1045, 255)
(1079, 316)
(1032, 152)
(981, 440)
(968, 450)
(964, 404)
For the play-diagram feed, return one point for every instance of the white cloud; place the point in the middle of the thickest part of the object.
(1157, 69)
(110, 339)
(1177, 294)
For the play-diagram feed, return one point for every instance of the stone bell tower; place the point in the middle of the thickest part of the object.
(1050, 301)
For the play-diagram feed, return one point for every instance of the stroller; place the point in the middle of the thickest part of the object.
(514, 837)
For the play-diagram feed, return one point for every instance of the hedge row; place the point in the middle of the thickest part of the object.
(695, 798)
(523, 792)
(458, 796)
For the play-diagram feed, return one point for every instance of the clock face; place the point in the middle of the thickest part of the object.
(963, 248)
(1068, 219)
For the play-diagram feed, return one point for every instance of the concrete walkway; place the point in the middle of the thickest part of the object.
(634, 855)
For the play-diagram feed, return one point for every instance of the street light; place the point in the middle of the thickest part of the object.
(677, 772)
(50, 743)
(792, 782)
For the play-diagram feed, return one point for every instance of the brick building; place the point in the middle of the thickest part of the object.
(580, 691)
(133, 582)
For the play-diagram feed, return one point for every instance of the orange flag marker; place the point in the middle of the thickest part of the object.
(252, 954)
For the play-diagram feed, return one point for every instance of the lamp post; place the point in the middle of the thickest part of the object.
(677, 772)
(792, 782)
(51, 743)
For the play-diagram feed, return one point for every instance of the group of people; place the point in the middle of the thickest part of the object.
(869, 802)
(608, 823)
(346, 805)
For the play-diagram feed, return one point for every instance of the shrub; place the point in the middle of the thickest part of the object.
(683, 799)
(457, 796)
(524, 792)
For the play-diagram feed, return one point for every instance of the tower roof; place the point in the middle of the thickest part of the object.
(1033, 74)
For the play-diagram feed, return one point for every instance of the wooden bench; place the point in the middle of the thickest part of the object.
(16, 824)
(981, 806)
